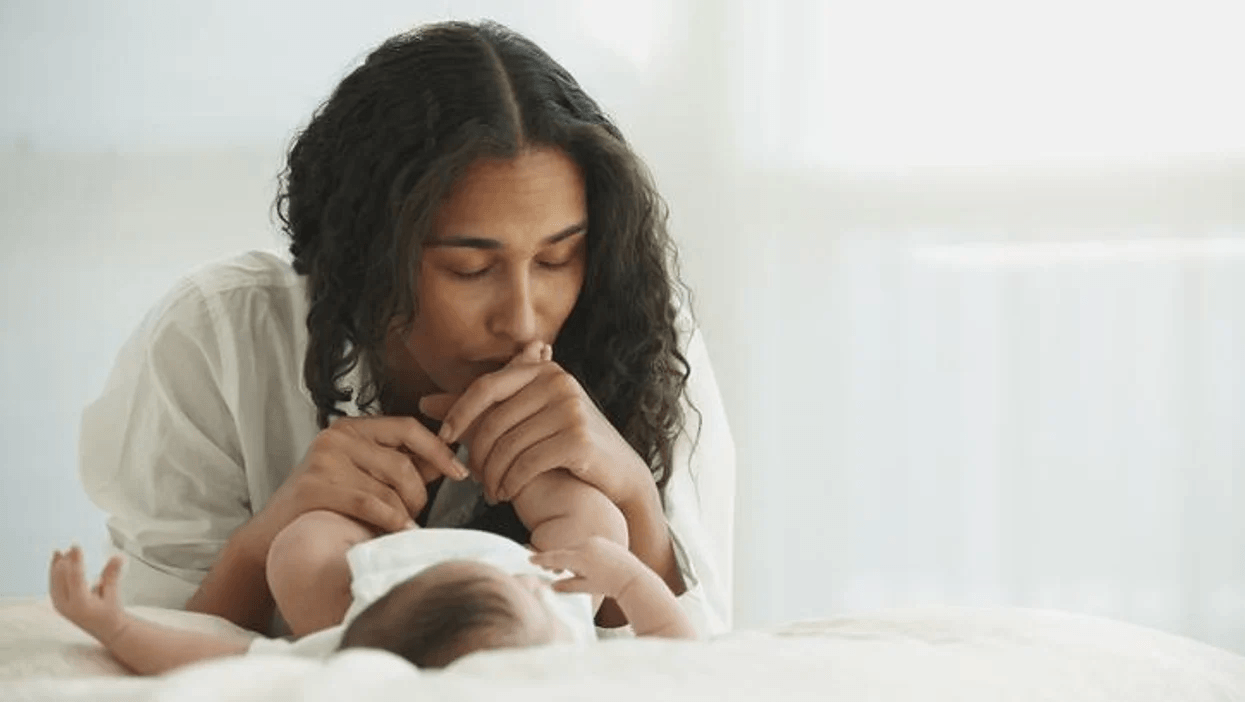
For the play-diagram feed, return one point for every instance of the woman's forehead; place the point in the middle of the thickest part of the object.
(519, 202)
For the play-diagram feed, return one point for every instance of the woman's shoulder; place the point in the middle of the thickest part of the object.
(234, 290)
(253, 272)
(251, 301)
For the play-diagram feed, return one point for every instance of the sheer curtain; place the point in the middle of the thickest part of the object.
(989, 307)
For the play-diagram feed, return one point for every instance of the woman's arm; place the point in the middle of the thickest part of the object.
(689, 543)
(650, 541)
(650, 537)
(187, 442)
(236, 587)
(160, 453)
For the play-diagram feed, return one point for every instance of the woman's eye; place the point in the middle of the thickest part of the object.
(468, 275)
(554, 264)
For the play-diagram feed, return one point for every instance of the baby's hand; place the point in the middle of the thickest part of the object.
(600, 567)
(96, 610)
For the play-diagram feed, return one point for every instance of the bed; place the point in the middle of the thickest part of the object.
(917, 654)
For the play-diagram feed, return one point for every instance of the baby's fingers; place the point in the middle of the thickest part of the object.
(577, 583)
(77, 576)
(65, 582)
(561, 559)
(57, 575)
(107, 585)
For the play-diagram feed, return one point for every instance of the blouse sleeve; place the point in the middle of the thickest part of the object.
(700, 501)
(159, 453)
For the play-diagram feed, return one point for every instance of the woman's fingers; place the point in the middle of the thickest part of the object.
(373, 469)
(507, 430)
(488, 390)
(393, 469)
(438, 405)
(407, 432)
(370, 502)
(427, 472)
(544, 455)
(336, 482)
(501, 475)
(383, 454)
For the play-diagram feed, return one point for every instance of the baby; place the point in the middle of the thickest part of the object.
(436, 616)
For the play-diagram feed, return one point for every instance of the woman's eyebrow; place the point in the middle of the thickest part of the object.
(477, 242)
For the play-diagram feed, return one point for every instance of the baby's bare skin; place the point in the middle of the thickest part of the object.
(599, 566)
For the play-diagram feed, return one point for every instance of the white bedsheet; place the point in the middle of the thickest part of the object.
(934, 654)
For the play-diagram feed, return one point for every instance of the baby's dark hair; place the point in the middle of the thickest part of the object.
(435, 625)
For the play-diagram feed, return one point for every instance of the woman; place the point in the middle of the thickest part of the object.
(457, 198)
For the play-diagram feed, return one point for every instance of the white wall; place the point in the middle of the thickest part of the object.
(91, 241)
(952, 372)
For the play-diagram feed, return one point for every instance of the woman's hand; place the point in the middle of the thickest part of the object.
(530, 417)
(373, 469)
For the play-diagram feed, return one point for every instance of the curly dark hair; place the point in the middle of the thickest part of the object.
(363, 182)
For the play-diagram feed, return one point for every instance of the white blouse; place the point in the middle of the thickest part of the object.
(206, 413)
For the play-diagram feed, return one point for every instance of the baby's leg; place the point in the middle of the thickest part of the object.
(562, 511)
(307, 569)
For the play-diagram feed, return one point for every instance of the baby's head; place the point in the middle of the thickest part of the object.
(455, 608)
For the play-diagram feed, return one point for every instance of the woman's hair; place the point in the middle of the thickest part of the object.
(436, 625)
(364, 181)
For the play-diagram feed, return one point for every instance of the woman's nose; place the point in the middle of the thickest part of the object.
(516, 314)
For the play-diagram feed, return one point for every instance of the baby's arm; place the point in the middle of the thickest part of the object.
(603, 567)
(145, 647)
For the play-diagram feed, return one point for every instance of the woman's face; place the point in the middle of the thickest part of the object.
(503, 266)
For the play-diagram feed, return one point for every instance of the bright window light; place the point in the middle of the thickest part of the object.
(902, 83)
(1047, 253)
(630, 28)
